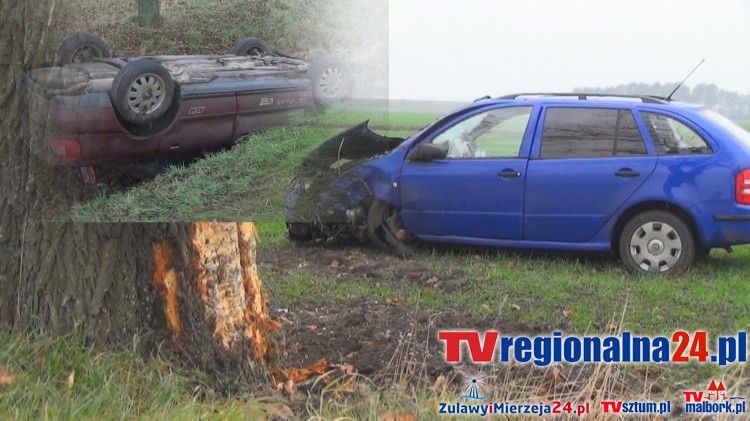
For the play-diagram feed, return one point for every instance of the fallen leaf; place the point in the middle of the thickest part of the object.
(569, 314)
(432, 280)
(515, 307)
(335, 264)
(71, 379)
(348, 385)
(346, 368)
(6, 378)
(290, 388)
(416, 275)
(312, 328)
(299, 375)
(395, 301)
(387, 416)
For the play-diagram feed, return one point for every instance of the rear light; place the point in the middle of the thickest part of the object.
(66, 149)
(742, 186)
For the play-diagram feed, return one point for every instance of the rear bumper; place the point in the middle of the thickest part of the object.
(722, 223)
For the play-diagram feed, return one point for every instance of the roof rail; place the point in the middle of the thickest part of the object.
(651, 99)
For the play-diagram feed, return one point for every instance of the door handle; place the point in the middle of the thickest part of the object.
(627, 173)
(509, 173)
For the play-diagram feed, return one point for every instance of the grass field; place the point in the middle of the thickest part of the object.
(583, 293)
(573, 293)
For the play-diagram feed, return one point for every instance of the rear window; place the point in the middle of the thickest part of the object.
(672, 137)
(590, 133)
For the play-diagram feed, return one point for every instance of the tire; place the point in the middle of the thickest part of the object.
(657, 243)
(332, 81)
(142, 91)
(81, 47)
(385, 229)
(252, 46)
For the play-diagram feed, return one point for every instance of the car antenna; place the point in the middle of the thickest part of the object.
(679, 85)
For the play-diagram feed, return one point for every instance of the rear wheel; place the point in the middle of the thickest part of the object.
(252, 47)
(657, 243)
(385, 229)
(80, 48)
(142, 91)
(332, 81)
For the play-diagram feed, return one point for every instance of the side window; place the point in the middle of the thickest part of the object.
(590, 133)
(670, 136)
(492, 134)
(628, 139)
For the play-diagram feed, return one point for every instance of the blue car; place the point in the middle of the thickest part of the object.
(653, 181)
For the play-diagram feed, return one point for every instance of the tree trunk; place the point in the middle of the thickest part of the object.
(192, 285)
(148, 13)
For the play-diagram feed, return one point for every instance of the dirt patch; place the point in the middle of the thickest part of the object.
(349, 264)
(395, 344)
(380, 339)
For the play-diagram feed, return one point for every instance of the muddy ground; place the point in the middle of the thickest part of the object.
(391, 341)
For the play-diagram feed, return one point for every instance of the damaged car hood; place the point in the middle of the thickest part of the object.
(331, 184)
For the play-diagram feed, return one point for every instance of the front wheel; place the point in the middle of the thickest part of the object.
(385, 229)
(252, 47)
(657, 243)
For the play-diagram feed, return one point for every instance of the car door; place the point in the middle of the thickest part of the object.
(477, 190)
(586, 162)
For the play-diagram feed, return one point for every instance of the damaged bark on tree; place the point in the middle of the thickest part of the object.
(192, 285)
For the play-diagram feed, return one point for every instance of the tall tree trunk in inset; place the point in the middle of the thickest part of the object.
(194, 286)
(148, 13)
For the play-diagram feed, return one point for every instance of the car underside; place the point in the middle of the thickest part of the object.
(92, 109)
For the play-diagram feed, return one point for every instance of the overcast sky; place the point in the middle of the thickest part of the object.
(462, 50)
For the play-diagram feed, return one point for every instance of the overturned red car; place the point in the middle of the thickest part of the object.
(137, 113)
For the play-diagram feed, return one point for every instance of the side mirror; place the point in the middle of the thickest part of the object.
(427, 152)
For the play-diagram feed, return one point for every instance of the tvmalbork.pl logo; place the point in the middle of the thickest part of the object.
(713, 400)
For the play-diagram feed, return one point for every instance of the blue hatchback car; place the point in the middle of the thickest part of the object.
(654, 181)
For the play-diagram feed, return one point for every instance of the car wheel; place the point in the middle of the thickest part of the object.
(252, 47)
(80, 48)
(657, 243)
(332, 81)
(385, 229)
(142, 91)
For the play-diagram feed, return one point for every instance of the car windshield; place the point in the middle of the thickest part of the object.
(732, 127)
